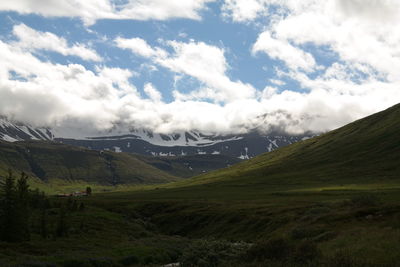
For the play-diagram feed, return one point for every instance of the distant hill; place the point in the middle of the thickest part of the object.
(243, 146)
(189, 166)
(49, 160)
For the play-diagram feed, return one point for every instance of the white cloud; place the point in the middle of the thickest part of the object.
(277, 82)
(162, 10)
(362, 79)
(80, 102)
(50, 93)
(361, 37)
(140, 47)
(204, 62)
(31, 39)
(152, 92)
(91, 10)
(359, 31)
(294, 57)
(243, 10)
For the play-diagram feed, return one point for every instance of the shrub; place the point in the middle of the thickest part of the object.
(365, 200)
(324, 236)
(37, 264)
(306, 252)
(306, 232)
(275, 249)
(209, 253)
(343, 258)
(94, 262)
(130, 260)
(318, 210)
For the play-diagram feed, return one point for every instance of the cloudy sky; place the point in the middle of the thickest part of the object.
(211, 65)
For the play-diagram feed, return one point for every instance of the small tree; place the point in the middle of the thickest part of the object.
(35, 199)
(69, 203)
(74, 206)
(88, 191)
(14, 209)
(81, 207)
(23, 209)
(8, 207)
(62, 228)
(43, 223)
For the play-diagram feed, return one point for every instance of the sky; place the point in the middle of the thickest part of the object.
(216, 66)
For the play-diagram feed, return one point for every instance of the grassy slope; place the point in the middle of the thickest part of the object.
(341, 190)
(57, 167)
(189, 166)
(363, 152)
(51, 162)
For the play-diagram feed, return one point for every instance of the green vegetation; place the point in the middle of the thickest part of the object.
(49, 161)
(56, 168)
(192, 165)
(333, 200)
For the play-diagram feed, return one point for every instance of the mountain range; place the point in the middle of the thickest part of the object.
(145, 142)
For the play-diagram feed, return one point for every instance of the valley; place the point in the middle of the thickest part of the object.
(332, 200)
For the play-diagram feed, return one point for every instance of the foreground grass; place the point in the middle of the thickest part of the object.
(155, 226)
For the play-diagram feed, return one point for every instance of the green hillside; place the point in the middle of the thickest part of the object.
(364, 152)
(57, 167)
(192, 165)
(49, 162)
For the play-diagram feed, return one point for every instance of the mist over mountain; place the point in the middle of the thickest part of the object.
(145, 142)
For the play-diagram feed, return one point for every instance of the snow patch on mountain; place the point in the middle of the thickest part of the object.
(191, 138)
(14, 131)
(141, 141)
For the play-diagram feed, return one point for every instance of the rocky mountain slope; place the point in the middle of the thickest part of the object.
(14, 131)
(242, 146)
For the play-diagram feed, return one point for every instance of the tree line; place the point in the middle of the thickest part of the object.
(24, 212)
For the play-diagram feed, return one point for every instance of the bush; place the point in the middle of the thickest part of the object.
(96, 262)
(365, 200)
(275, 249)
(318, 210)
(324, 236)
(130, 260)
(37, 264)
(306, 232)
(210, 253)
(343, 258)
(306, 252)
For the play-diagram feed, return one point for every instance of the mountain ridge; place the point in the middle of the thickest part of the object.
(144, 142)
(50, 161)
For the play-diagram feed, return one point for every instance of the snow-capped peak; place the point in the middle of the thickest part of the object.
(14, 131)
(189, 138)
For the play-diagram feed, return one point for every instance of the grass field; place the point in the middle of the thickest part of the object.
(156, 226)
